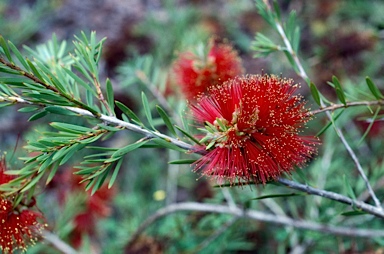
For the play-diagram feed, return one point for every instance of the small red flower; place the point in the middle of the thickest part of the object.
(85, 224)
(252, 127)
(3, 177)
(95, 207)
(196, 72)
(19, 226)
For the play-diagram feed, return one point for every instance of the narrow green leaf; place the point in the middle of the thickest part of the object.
(122, 151)
(34, 146)
(59, 111)
(350, 191)
(265, 12)
(61, 134)
(99, 48)
(166, 144)
(100, 181)
(301, 174)
(98, 155)
(32, 183)
(110, 96)
(147, 110)
(291, 60)
(370, 125)
(186, 161)
(353, 213)
(100, 160)
(239, 183)
(115, 173)
(4, 46)
(17, 200)
(89, 99)
(61, 51)
(339, 90)
(2, 104)
(86, 170)
(290, 25)
(100, 171)
(128, 112)
(109, 128)
(329, 124)
(60, 153)
(89, 184)
(57, 139)
(210, 145)
(277, 9)
(18, 55)
(28, 109)
(373, 88)
(166, 120)
(66, 127)
(80, 81)
(10, 71)
(34, 70)
(101, 148)
(315, 93)
(263, 46)
(49, 143)
(125, 118)
(80, 67)
(283, 195)
(38, 116)
(19, 81)
(188, 135)
(296, 39)
(52, 173)
(49, 98)
(71, 151)
(90, 140)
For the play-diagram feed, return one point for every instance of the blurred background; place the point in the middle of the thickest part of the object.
(338, 37)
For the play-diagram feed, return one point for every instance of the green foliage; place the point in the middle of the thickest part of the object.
(279, 195)
(66, 83)
(373, 88)
(263, 46)
(339, 90)
(63, 84)
(315, 93)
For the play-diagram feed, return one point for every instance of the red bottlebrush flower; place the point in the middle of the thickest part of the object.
(195, 73)
(252, 127)
(84, 224)
(19, 226)
(18, 229)
(100, 202)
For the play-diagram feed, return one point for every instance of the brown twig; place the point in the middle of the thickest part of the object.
(100, 95)
(254, 215)
(57, 243)
(348, 104)
(377, 211)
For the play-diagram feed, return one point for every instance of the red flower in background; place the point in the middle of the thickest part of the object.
(19, 226)
(196, 72)
(252, 127)
(95, 207)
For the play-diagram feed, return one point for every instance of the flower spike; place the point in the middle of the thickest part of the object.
(252, 127)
